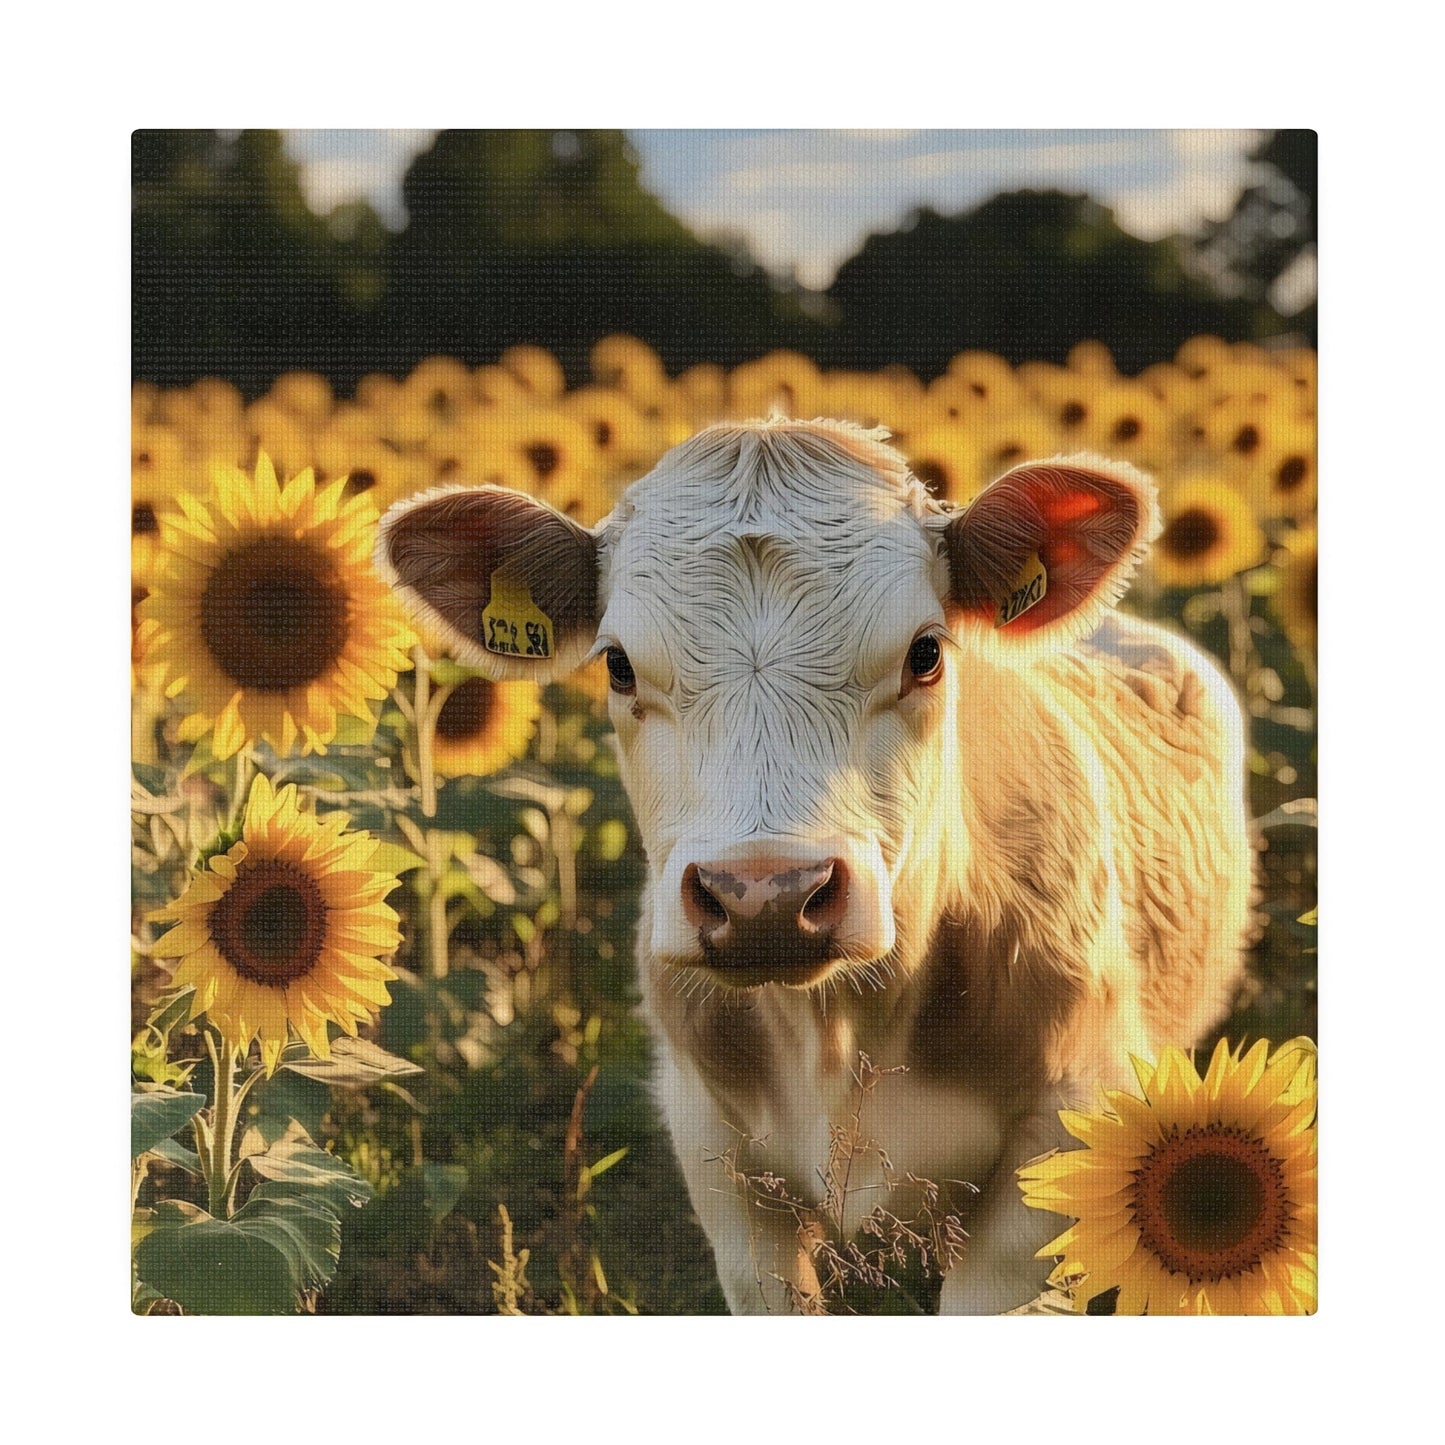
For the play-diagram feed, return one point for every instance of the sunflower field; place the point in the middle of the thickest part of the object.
(385, 1055)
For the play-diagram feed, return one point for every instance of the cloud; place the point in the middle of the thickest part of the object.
(823, 192)
(336, 167)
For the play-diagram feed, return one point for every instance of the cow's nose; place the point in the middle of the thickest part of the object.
(766, 912)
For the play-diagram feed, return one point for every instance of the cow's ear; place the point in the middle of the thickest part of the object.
(509, 584)
(1043, 551)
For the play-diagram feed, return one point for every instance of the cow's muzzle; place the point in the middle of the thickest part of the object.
(757, 915)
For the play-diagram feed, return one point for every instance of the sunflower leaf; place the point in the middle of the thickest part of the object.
(447, 673)
(354, 732)
(295, 1161)
(157, 1114)
(174, 1152)
(354, 1063)
(442, 1186)
(254, 1263)
(201, 758)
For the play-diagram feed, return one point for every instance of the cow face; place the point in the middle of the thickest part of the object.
(791, 625)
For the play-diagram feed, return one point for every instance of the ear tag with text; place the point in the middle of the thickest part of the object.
(512, 624)
(1027, 590)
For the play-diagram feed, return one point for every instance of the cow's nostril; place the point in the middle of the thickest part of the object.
(826, 904)
(701, 906)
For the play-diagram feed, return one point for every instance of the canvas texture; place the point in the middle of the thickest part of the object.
(755, 765)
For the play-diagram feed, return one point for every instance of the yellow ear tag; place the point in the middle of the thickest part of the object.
(1027, 591)
(512, 624)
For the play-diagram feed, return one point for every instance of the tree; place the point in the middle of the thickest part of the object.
(550, 238)
(1272, 227)
(232, 273)
(1026, 275)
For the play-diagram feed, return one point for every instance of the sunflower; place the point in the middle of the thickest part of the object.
(1204, 358)
(1197, 1199)
(944, 459)
(537, 369)
(1126, 421)
(283, 436)
(1297, 600)
(267, 612)
(439, 389)
(485, 725)
(287, 927)
(630, 365)
(1093, 358)
(1284, 481)
(702, 392)
(986, 377)
(627, 443)
(1209, 535)
(1006, 439)
(304, 393)
(782, 379)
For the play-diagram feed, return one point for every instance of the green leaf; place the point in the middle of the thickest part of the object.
(173, 1009)
(151, 778)
(354, 1063)
(606, 1163)
(252, 1264)
(294, 1161)
(286, 1238)
(393, 858)
(442, 1186)
(354, 732)
(174, 1152)
(447, 673)
(612, 839)
(201, 758)
(157, 1114)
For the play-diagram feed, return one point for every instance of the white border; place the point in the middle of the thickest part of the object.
(84, 85)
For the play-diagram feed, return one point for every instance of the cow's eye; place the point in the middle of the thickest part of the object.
(925, 659)
(620, 671)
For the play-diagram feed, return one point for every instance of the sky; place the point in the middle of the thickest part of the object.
(805, 200)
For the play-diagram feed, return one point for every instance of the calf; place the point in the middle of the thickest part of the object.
(908, 787)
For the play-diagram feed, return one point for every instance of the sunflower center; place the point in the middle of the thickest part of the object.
(933, 476)
(544, 458)
(1191, 533)
(1210, 1202)
(271, 923)
(464, 714)
(1073, 413)
(1127, 428)
(1291, 473)
(273, 616)
(602, 432)
(1246, 440)
(143, 519)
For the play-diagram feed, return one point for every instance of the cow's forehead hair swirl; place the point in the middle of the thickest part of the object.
(767, 543)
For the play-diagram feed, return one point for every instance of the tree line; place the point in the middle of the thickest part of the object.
(550, 238)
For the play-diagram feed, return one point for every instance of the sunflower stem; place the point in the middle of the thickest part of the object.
(1235, 606)
(438, 943)
(223, 1128)
(425, 723)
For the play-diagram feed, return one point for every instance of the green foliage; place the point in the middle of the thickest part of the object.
(158, 1114)
(354, 1064)
(285, 1239)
